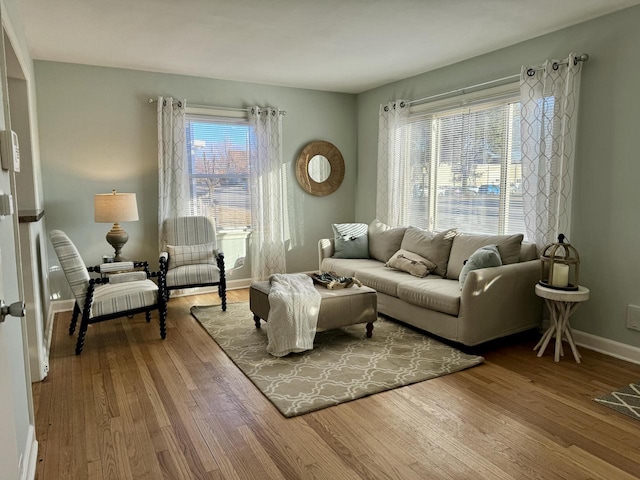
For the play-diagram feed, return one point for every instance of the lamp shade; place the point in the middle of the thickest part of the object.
(115, 207)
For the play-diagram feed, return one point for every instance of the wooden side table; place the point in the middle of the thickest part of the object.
(561, 303)
(110, 268)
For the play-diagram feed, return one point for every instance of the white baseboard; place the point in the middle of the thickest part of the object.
(67, 305)
(625, 352)
(29, 469)
(60, 306)
(238, 284)
(55, 306)
(231, 285)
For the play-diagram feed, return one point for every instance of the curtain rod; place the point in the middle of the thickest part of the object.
(531, 71)
(178, 102)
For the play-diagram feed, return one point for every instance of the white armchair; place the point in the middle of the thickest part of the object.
(110, 296)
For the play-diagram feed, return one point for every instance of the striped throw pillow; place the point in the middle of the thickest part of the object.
(180, 255)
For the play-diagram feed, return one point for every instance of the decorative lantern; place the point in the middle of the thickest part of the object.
(560, 266)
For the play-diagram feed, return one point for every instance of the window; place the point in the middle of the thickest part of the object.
(218, 156)
(464, 166)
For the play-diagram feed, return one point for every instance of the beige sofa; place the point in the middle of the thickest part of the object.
(494, 302)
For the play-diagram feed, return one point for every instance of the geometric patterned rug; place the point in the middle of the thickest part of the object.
(344, 365)
(626, 400)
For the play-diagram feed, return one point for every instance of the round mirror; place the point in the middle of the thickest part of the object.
(319, 168)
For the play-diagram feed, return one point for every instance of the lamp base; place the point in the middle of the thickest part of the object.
(117, 238)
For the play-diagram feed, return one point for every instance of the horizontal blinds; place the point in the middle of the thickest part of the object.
(218, 154)
(465, 168)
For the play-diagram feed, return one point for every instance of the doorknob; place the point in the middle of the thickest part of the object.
(16, 309)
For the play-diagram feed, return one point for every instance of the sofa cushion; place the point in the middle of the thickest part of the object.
(411, 263)
(528, 251)
(346, 267)
(351, 240)
(484, 257)
(430, 245)
(432, 292)
(384, 240)
(464, 244)
(382, 279)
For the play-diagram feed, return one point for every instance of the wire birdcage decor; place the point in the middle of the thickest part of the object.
(559, 265)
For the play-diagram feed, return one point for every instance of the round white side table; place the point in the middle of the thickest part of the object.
(561, 303)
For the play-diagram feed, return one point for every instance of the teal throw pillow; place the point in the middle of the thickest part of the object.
(351, 240)
(484, 257)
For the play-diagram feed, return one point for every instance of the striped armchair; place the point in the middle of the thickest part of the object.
(191, 257)
(110, 296)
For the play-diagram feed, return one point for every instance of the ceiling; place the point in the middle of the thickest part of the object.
(335, 45)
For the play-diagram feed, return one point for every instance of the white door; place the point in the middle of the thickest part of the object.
(9, 456)
(17, 438)
(16, 409)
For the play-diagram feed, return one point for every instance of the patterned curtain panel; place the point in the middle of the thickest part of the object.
(267, 199)
(549, 96)
(392, 163)
(173, 171)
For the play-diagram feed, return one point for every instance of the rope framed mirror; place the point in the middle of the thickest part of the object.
(320, 168)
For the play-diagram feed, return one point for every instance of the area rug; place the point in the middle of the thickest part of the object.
(626, 400)
(344, 365)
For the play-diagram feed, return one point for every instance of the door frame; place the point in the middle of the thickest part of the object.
(27, 453)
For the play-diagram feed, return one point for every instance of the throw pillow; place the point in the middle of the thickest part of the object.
(465, 244)
(484, 257)
(384, 240)
(180, 255)
(411, 263)
(350, 240)
(431, 245)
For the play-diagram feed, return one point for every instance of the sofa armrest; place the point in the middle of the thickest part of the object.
(490, 295)
(326, 249)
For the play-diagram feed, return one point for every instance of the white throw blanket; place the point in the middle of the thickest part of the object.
(294, 304)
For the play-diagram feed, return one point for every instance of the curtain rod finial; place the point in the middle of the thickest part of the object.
(580, 58)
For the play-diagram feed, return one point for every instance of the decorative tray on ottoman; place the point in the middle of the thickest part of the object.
(332, 280)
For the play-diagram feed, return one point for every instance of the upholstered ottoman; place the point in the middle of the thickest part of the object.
(338, 308)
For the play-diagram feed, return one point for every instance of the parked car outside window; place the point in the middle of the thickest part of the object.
(489, 189)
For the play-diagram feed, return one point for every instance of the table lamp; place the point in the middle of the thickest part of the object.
(115, 208)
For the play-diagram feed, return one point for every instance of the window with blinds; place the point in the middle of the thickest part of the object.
(218, 156)
(464, 168)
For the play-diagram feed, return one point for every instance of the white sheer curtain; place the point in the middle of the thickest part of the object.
(267, 193)
(549, 96)
(173, 171)
(392, 164)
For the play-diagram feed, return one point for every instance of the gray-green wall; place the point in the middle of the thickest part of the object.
(98, 132)
(605, 223)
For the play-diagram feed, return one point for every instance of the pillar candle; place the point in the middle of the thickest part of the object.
(560, 275)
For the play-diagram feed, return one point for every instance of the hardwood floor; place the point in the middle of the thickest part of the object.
(133, 406)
